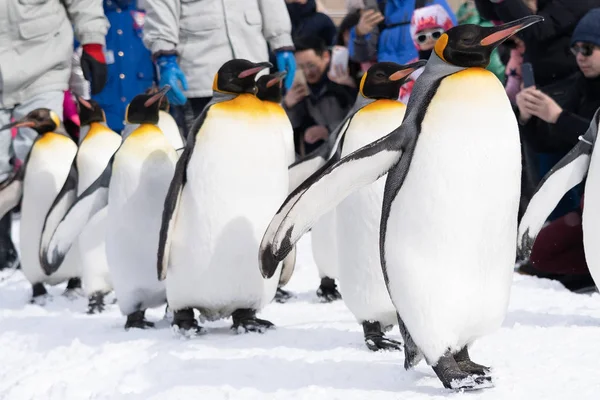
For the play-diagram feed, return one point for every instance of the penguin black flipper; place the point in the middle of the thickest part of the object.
(324, 190)
(567, 173)
(57, 239)
(59, 208)
(174, 195)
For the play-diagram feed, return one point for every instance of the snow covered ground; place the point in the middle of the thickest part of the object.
(548, 348)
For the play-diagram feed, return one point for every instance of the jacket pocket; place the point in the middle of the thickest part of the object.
(253, 17)
(27, 2)
(195, 24)
(38, 27)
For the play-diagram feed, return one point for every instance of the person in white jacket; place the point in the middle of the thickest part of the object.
(191, 39)
(36, 46)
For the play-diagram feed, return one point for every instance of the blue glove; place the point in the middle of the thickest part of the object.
(286, 62)
(171, 75)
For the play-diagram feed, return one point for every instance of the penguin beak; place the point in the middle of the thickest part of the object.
(407, 70)
(503, 32)
(255, 70)
(159, 95)
(279, 76)
(84, 102)
(19, 124)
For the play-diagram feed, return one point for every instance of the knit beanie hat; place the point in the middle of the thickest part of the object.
(588, 28)
(430, 17)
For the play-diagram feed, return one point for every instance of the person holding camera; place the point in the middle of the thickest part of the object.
(321, 95)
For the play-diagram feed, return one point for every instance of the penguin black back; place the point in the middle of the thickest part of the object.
(90, 111)
(383, 80)
(269, 87)
(472, 45)
(238, 76)
(144, 108)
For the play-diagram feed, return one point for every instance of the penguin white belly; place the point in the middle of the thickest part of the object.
(169, 127)
(142, 171)
(237, 179)
(591, 217)
(358, 218)
(451, 232)
(95, 275)
(93, 156)
(46, 172)
(324, 245)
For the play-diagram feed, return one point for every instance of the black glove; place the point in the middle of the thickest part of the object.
(94, 66)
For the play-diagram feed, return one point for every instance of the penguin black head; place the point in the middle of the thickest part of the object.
(383, 80)
(41, 120)
(90, 111)
(144, 108)
(471, 45)
(269, 86)
(238, 76)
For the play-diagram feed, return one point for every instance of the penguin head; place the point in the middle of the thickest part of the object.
(238, 76)
(383, 80)
(164, 104)
(269, 86)
(90, 111)
(41, 120)
(472, 45)
(144, 108)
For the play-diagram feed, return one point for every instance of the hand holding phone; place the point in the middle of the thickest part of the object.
(339, 61)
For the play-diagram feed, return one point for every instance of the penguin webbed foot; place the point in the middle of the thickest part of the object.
(465, 364)
(185, 324)
(327, 291)
(39, 294)
(376, 340)
(73, 290)
(96, 303)
(138, 320)
(452, 377)
(245, 321)
(282, 296)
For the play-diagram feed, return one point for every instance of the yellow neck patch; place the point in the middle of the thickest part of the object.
(362, 84)
(55, 119)
(440, 46)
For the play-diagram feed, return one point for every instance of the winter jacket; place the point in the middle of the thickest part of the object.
(583, 99)
(205, 36)
(391, 40)
(130, 67)
(306, 21)
(547, 43)
(36, 44)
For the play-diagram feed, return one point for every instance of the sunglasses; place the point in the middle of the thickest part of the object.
(585, 49)
(423, 37)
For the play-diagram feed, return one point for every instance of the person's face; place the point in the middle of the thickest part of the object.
(588, 58)
(312, 65)
(427, 38)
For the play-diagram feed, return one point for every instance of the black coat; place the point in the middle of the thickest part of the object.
(548, 42)
(583, 99)
(306, 21)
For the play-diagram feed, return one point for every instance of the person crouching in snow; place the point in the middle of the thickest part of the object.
(426, 27)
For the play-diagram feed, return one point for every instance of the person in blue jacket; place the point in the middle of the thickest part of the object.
(386, 36)
(130, 67)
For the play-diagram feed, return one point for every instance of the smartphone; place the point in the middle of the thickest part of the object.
(339, 57)
(299, 78)
(527, 74)
(371, 5)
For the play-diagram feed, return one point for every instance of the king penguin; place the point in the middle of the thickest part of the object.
(449, 215)
(49, 189)
(581, 162)
(98, 144)
(142, 169)
(229, 180)
(269, 91)
(357, 217)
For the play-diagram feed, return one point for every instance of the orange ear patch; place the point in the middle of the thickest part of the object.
(440, 46)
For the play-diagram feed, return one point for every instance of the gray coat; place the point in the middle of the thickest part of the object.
(207, 33)
(36, 44)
